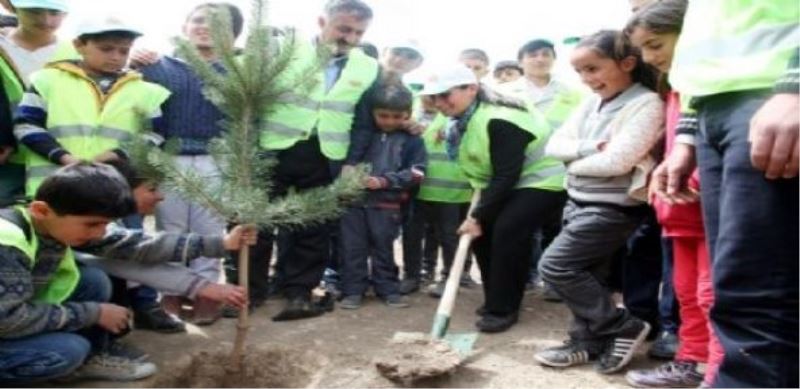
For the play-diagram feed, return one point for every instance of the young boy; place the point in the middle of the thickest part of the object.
(369, 229)
(84, 109)
(476, 60)
(507, 71)
(54, 319)
(173, 278)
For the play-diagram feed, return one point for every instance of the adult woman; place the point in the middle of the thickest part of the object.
(498, 143)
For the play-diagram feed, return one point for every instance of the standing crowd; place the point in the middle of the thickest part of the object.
(671, 179)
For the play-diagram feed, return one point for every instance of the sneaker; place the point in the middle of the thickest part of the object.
(111, 368)
(409, 285)
(436, 290)
(675, 374)
(333, 289)
(427, 276)
(621, 347)
(396, 301)
(664, 347)
(154, 318)
(571, 353)
(466, 281)
(123, 350)
(351, 302)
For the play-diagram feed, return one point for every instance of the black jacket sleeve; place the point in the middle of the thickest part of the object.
(507, 144)
(6, 120)
(363, 128)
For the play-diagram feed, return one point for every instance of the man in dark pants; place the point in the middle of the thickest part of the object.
(312, 134)
(746, 109)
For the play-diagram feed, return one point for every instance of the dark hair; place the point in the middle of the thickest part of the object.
(613, 44)
(478, 54)
(391, 94)
(128, 172)
(83, 38)
(503, 65)
(361, 10)
(87, 189)
(369, 49)
(237, 20)
(661, 17)
(489, 95)
(534, 46)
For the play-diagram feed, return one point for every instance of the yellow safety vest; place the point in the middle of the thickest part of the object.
(65, 278)
(734, 45)
(444, 181)
(331, 112)
(84, 120)
(538, 171)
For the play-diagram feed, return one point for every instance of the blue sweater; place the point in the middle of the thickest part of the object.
(188, 115)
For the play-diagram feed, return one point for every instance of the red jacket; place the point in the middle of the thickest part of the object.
(678, 220)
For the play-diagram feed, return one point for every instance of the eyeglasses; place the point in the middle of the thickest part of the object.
(407, 53)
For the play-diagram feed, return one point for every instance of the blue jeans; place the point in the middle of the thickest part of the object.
(51, 355)
(752, 231)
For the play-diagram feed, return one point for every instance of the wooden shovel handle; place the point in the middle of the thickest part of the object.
(457, 268)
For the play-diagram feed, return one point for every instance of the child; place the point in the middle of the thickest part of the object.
(369, 229)
(83, 109)
(606, 144)
(507, 71)
(55, 321)
(655, 30)
(476, 60)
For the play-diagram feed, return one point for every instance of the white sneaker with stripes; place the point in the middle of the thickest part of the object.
(566, 355)
(620, 349)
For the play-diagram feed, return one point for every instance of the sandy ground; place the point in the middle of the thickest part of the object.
(338, 348)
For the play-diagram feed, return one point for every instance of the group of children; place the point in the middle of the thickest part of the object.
(532, 150)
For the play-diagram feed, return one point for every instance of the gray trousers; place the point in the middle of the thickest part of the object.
(576, 264)
(366, 251)
(175, 214)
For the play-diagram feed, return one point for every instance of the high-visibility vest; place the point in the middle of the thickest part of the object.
(83, 120)
(331, 112)
(444, 181)
(14, 84)
(556, 109)
(538, 171)
(734, 45)
(63, 280)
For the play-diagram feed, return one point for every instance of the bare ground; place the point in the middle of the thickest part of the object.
(338, 349)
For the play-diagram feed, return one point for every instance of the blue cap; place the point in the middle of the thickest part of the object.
(58, 5)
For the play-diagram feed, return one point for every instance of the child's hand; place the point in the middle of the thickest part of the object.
(113, 318)
(240, 236)
(224, 293)
(106, 156)
(143, 57)
(373, 183)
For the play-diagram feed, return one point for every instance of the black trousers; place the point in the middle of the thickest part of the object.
(421, 252)
(303, 252)
(504, 250)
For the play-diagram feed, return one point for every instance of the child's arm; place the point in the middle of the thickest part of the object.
(30, 129)
(565, 144)
(412, 169)
(135, 245)
(641, 130)
(20, 316)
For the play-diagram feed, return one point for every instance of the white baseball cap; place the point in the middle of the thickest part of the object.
(447, 78)
(107, 24)
(58, 5)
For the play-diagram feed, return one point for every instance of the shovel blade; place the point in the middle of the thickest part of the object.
(462, 343)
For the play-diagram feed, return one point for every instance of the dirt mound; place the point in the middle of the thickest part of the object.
(417, 357)
(261, 368)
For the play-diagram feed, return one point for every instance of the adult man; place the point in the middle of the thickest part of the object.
(312, 135)
(744, 102)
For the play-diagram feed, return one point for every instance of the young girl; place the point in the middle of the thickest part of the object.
(655, 30)
(606, 145)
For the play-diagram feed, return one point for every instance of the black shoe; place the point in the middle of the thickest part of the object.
(492, 323)
(298, 308)
(156, 319)
(571, 353)
(622, 346)
(664, 347)
(480, 311)
(409, 285)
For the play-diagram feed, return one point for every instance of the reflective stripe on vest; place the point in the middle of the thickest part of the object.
(83, 120)
(331, 113)
(537, 171)
(62, 281)
(747, 46)
(444, 181)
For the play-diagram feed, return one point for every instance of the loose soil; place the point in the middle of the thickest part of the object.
(339, 349)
